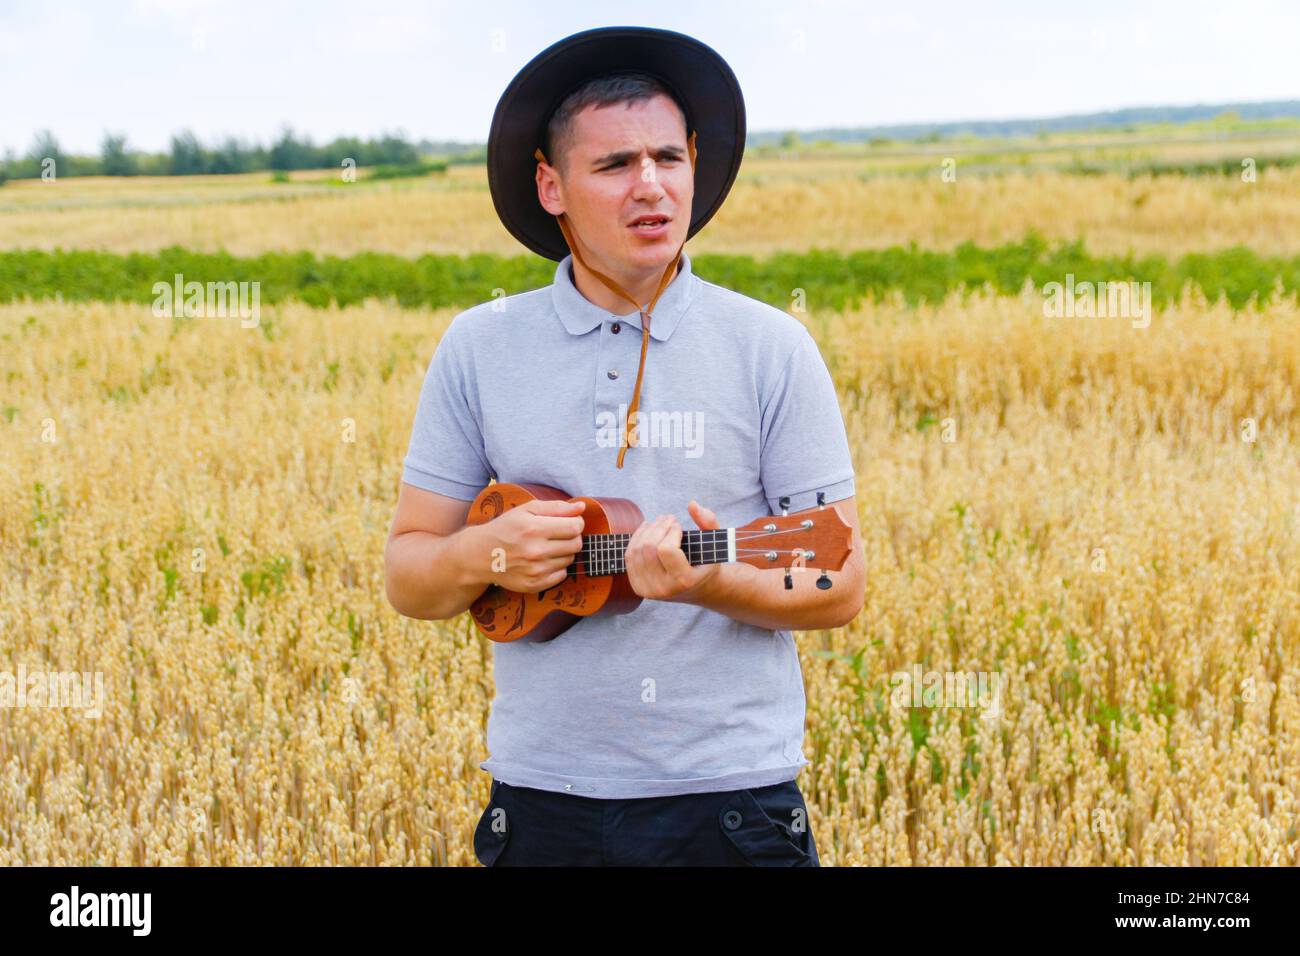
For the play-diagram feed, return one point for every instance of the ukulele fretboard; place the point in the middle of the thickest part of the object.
(604, 554)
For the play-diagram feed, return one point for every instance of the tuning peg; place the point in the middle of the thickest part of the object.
(789, 581)
(824, 581)
(784, 502)
(821, 499)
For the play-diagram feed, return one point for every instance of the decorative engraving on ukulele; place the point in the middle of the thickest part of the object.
(491, 505)
(564, 596)
(597, 582)
(492, 600)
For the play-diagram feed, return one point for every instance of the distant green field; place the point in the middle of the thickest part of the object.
(829, 279)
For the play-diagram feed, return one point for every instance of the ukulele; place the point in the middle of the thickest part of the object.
(597, 581)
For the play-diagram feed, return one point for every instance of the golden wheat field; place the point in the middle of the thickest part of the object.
(776, 205)
(1107, 516)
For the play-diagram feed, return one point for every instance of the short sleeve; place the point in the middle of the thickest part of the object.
(446, 454)
(804, 446)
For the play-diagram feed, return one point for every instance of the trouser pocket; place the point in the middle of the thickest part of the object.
(493, 830)
(768, 826)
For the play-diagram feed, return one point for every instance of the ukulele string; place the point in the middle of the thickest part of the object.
(574, 564)
(748, 536)
(764, 534)
(586, 556)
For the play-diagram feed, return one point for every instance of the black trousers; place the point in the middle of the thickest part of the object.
(764, 826)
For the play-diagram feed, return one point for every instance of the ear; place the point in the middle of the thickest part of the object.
(549, 193)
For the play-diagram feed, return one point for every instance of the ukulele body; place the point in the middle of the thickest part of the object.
(506, 616)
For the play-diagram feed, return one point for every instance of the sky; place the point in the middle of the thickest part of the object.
(435, 69)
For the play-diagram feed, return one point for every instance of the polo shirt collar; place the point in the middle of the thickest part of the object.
(580, 315)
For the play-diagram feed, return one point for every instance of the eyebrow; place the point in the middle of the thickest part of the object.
(623, 155)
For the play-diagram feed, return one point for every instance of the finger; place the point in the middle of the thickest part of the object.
(638, 569)
(634, 542)
(561, 563)
(554, 527)
(647, 551)
(656, 529)
(562, 548)
(670, 551)
(550, 579)
(705, 519)
(558, 519)
(552, 507)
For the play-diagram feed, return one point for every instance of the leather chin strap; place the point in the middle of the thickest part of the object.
(630, 430)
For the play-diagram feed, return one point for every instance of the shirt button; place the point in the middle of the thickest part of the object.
(615, 327)
(731, 819)
(612, 373)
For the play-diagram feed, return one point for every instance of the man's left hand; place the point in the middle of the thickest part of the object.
(656, 564)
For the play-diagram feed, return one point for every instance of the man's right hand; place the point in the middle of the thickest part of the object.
(534, 543)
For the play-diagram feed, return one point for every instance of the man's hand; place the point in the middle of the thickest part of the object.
(656, 564)
(536, 541)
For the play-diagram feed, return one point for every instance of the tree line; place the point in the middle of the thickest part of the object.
(189, 157)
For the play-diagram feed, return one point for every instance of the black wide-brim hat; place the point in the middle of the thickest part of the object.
(701, 79)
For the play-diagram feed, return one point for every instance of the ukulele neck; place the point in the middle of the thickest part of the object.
(604, 554)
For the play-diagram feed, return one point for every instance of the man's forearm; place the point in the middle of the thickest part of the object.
(759, 597)
(434, 577)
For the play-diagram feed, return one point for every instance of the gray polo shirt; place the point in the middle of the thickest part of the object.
(737, 409)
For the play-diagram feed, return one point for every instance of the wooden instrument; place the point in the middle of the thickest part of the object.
(597, 582)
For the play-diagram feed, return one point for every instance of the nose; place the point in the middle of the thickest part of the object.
(647, 183)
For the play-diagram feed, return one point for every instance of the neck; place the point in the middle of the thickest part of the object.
(640, 287)
(604, 554)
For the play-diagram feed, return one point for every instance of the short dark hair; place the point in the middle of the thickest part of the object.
(607, 89)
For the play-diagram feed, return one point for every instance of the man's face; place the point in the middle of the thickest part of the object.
(623, 162)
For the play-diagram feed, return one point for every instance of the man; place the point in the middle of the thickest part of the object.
(673, 734)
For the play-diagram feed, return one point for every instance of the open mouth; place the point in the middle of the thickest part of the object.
(649, 223)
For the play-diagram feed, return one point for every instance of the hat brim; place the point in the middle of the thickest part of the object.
(703, 81)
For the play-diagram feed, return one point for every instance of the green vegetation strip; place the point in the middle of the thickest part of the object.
(829, 279)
